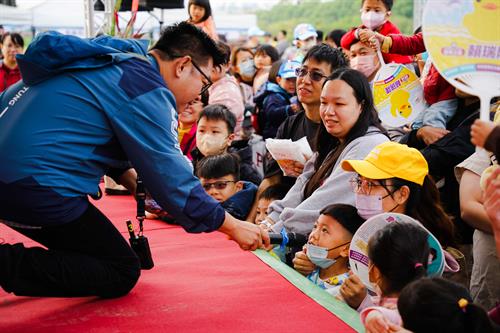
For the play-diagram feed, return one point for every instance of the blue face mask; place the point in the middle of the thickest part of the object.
(318, 255)
(247, 69)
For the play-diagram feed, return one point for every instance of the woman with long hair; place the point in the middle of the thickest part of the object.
(350, 128)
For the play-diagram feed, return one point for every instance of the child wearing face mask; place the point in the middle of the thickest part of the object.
(375, 16)
(328, 246)
(220, 177)
(398, 254)
(215, 135)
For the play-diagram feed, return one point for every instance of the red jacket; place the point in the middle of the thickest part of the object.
(436, 88)
(8, 76)
(387, 28)
(188, 142)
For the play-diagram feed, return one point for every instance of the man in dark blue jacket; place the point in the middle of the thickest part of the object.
(87, 107)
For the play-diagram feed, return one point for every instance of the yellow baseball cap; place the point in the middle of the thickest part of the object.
(391, 160)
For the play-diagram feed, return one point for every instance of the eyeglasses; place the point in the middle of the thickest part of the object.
(207, 83)
(218, 185)
(314, 75)
(364, 186)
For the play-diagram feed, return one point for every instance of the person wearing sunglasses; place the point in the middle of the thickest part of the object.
(106, 103)
(319, 62)
(220, 177)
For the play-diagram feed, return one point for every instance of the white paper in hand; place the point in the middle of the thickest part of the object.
(286, 151)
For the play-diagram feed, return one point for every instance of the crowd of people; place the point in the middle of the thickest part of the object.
(252, 90)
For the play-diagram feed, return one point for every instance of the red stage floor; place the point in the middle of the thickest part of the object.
(201, 283)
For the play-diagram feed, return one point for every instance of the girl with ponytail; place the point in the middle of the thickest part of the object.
(439, 305)
(398, 255)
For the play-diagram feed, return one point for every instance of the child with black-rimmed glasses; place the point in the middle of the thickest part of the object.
(220, 177)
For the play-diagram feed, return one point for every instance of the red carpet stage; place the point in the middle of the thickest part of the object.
(200, 283)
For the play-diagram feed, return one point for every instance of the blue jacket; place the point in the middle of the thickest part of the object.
(273, 104)
(240, 204)
(85, 106)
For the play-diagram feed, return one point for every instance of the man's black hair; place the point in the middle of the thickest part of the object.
(325, 53)
(275, 192)
(283, 32)
(217, 166)
(219, 112)
(183, 38)
(387, 3)
(269, 50)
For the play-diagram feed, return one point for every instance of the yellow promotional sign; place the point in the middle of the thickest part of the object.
(398, 95)
(463, 40)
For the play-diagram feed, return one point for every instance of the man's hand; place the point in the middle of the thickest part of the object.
(353, 291)
(429, 134)
(302, 264)
(480, 131)
(248, 235)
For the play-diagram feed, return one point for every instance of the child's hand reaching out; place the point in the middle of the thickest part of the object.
(375, 322)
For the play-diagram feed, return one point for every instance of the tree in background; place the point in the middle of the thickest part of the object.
(328, 15)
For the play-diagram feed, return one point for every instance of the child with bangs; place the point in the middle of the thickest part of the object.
(220, 177)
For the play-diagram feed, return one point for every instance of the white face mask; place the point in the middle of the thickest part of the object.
(365, 64)
(372, 20)
(368, 205)
(211, 144)
(319, 255)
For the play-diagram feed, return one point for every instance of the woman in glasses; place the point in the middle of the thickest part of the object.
(349, 129)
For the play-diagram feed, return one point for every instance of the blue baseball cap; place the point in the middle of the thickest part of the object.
(304, 31)
(287, 69)
(255, 31)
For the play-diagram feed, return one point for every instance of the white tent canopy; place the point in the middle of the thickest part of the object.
(12, 16)
(68, 16)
